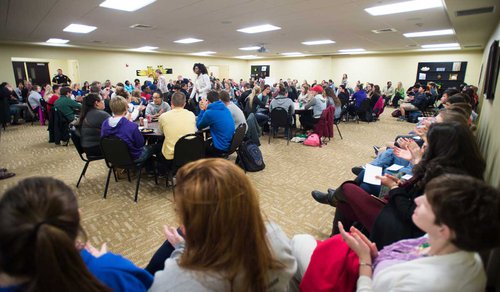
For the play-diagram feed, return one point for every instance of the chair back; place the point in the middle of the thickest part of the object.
(115, 152)
(279, 117)
(238, 136)
(75, 138)
(188, 148)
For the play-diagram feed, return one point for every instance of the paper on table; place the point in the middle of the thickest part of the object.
(394, 167)
(371, 172)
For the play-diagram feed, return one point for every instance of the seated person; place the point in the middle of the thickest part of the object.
(66, 105)
(91, 119)
(119, 126)
(318, 104)
(414, 103)
(34, 98)
(236, 112)
(44, 248)
(282, 101)
(219, 212)
(174, 124)
(214, 114)
(450, 148)
(458, 213)
(359, 96)
(252, 103)
(157, 107)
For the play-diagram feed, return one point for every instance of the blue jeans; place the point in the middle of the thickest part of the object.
(147, 152)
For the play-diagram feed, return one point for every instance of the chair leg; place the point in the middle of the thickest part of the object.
(155, 171)
(128, 175)
(339, 131)
(83, 173)
(288, 135)
(270, 130)
(114, 174)
(107, 183)
(137, 186)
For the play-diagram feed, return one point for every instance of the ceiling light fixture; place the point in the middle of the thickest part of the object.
(145, 49)
(259, 28)
(433, 46)
(248, 57)
(292, 54)
(79, 28)
(126, 5)
(255, 48)
(352, 50)
(429, 33)
(57, 41)
(319, 42)
(188, 41)
(206, 53)
(401, 7)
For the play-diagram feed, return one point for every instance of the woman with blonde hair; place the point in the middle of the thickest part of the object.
(253, 101)
(226, 244)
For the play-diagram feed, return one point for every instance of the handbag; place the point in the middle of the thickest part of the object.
(313, 140)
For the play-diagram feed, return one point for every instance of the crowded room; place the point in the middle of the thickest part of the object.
(322, 145)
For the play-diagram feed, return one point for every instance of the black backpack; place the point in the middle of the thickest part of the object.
(249, 157)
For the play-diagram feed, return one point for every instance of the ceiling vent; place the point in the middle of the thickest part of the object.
(142, 26)
(384, 30)
(475, 11)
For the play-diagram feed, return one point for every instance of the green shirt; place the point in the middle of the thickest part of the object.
(66, 105)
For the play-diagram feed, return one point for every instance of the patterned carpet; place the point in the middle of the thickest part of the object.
(135, 230)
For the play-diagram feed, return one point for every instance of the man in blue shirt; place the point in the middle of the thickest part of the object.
(414, 103)
(358, 96)
(214, 114)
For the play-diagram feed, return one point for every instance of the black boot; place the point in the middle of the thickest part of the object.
(324, 198)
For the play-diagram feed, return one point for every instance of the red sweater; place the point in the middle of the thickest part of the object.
(333, 267)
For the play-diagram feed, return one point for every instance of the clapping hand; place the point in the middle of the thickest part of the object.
(389, 180)
(357, 241)
(94, 251)
(172, 235)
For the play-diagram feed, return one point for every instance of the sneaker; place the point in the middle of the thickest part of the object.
(6, 174)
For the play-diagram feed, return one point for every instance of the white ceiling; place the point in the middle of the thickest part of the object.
(216, 22)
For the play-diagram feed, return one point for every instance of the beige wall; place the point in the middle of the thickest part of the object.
(488, 133)
(102, 65)
(377, 68)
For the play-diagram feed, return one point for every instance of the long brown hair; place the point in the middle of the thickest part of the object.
(225, 231)
(39, 224)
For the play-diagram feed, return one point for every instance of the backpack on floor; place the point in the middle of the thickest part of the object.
(396, 113)
(313, 140)
(250, 157)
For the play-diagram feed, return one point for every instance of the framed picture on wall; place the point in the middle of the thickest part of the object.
(492, 67)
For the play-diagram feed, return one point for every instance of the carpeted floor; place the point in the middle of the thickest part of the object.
(135, 230)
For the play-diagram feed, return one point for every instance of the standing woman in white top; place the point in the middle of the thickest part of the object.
(202, 84)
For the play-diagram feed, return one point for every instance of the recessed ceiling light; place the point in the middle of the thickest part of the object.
(450, 45)
(351, 50)
(406, 6)
(126, 5)
(320, 42)
(250, 48)
(429, 33)
(206, 53)
(57, 41)
(292, 54)
(188, 41)
(145, 49)
(79, 28)
(248, 57)
(259, 28)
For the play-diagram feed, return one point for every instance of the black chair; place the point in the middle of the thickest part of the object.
(190, 147)
(280, 119)
(116, 155)
(336, 122)
(75, 138)
(238, 136)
